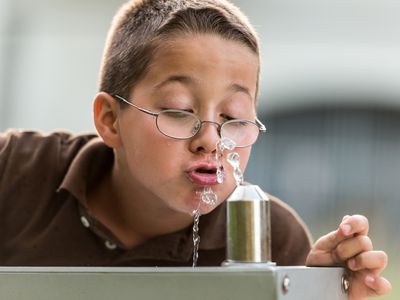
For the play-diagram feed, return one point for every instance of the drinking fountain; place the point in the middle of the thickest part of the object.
(247, 273)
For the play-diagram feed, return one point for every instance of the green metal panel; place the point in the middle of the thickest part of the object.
(50, 283)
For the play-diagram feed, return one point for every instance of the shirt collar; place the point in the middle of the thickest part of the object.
(92, 160)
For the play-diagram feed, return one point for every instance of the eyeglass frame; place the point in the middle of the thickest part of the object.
(258, 123)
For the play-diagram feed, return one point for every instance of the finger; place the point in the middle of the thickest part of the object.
(356, 224)
(365, 284)
(350, 225)
(345, 217)
(372, 260)
(379, 285)
(329, 241)
(353, 246)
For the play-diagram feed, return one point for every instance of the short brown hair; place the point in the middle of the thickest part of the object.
(140, 26)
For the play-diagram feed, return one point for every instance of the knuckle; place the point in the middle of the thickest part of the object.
(345, 217)
(359, 221)
(360, 261)
(364, 243)
(331, 236)
(340, 252)
(384, 287)
(363, 220)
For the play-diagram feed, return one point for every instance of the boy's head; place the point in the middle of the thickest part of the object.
(190, 70)
(142, 26)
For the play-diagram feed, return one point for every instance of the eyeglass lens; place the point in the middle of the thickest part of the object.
(184, 125)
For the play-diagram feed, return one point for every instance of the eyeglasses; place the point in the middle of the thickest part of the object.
(183, 125)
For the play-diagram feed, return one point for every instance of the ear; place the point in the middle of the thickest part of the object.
(105, 114)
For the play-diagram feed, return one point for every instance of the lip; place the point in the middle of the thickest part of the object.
(202, 178)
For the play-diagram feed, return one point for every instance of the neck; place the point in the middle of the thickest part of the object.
(131, 213)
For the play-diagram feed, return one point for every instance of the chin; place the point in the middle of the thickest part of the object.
(206, 208)
(192, 200)
(191, 206)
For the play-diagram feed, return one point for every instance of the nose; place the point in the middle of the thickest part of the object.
(206, 139)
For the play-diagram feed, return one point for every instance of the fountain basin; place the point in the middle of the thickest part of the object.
(171, 283)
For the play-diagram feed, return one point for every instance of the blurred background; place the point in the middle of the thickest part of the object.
(330, 97)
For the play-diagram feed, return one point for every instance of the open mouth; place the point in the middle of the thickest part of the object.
(206, 171)
(203, 175)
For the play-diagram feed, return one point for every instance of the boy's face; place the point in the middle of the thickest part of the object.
(209, 76)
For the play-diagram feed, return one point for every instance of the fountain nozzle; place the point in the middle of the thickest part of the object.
(248, 226)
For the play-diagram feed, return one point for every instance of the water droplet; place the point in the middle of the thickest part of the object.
(208, 196)
(234, 161)
(220, 175)
(223, 143)
(218, 157)
(227, 143)
(237, 173)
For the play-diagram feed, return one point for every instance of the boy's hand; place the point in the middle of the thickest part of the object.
(350, 246)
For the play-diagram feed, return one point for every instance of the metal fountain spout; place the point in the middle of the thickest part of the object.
(248, 227)
(248, 218)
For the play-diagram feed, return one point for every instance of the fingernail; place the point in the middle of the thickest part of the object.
(352, 263)
(346, 229)
(369, 280)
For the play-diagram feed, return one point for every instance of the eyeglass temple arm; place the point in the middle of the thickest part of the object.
(258, 122)
(135, 106)
(261, 125)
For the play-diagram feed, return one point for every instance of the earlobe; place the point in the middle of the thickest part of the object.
(105, 118)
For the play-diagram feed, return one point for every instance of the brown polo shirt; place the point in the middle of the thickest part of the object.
(44, 218)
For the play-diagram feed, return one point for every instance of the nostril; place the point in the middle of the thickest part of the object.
(205, 140)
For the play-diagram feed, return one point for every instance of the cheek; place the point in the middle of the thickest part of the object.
(151, 155)
(145, 147)
(152, 151)
(140, 135)
(244, 158)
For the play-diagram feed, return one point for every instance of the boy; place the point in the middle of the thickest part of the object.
(176, 76)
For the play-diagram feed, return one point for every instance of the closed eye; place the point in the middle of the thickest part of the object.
(227, 118)
(176, 109)
(176, 114)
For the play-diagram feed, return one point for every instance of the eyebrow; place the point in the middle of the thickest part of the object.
(175, 78)
(240, 88)
(187, 80)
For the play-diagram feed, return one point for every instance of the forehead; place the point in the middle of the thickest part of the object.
(205, 60)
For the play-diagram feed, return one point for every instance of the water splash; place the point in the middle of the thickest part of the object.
(218, 157)
(234, 160)
(223, 143)
(208, 196)
(227, 143)
(196, 237)
(220, 175)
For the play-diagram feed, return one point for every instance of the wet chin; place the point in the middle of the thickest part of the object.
(194, 201)
(207, 208)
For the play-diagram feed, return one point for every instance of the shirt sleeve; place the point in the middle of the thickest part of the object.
(12, 142)
(291, 239)
(5, 145)
(4, 136)
(23, 154)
